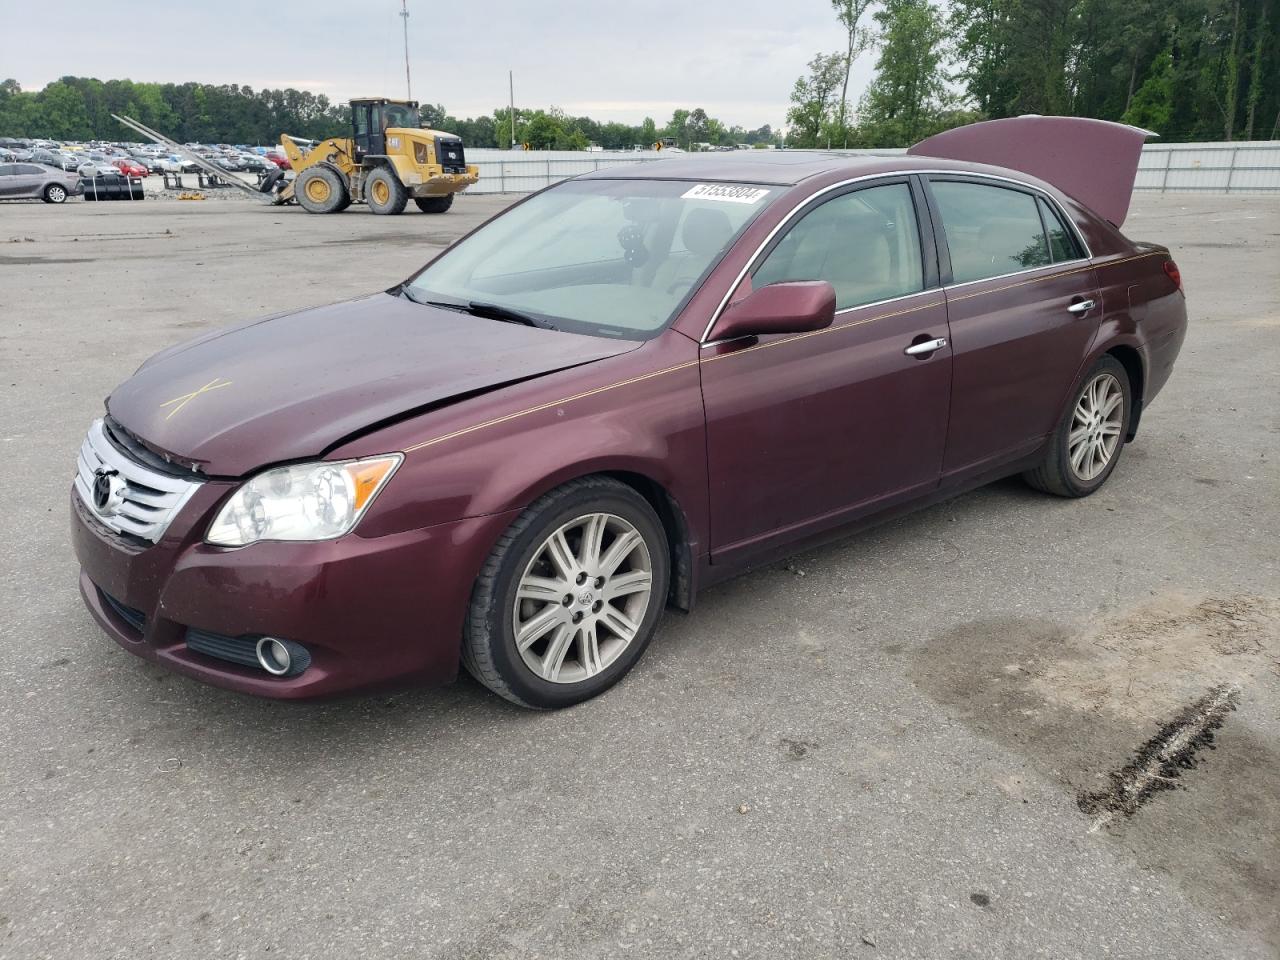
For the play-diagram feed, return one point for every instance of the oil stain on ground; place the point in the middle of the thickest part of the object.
(1126, 706)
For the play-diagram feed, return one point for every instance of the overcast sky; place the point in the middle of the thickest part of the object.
(613, 61)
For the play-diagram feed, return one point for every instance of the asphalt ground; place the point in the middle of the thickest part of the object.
(899, 745)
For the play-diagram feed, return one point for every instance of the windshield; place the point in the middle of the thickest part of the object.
(613, 258)
(400, 115)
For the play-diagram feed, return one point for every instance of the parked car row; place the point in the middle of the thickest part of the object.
(137, 159)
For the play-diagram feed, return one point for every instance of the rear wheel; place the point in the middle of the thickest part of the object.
(1086, 446)
(434, 204)
(319, 189)
(570, 596)
(384, 193)
(55, 193)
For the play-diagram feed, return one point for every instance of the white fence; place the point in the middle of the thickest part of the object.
(518, 171)
(1249, 167)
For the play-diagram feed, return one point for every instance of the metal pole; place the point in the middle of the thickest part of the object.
(1232, 169)
(1168, 158)
(404, 13)
(511, 84)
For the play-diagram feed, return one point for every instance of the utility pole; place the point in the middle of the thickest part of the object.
(404, 13)
(511, 85)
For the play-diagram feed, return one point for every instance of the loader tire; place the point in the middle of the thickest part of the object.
(434, 204)
(319, 189)
(384, 193)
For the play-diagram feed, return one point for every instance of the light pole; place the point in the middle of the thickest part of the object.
(511, 86)
(404, 13)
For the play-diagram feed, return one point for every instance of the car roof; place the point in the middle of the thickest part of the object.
(779, 167)
(791, 167)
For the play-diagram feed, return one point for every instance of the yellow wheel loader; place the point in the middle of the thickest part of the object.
(388, 161)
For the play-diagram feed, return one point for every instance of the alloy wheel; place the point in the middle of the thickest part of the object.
(57, 194)
(1095, 427)
(582, 598)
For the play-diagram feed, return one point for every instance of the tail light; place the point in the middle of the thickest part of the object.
(1173, 273)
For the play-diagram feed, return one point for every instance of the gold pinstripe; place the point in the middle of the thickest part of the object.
(763, 346)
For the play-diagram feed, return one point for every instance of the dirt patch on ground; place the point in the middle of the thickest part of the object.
(1118, 702)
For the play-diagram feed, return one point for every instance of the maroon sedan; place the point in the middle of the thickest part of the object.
(622, 389)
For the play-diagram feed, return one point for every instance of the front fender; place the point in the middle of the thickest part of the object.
(639, 413)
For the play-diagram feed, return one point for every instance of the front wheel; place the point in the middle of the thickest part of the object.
(384, 193)
(55, 193)
(1086, 446)
(570, 596)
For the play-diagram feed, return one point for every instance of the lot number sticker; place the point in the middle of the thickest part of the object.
(724, 192)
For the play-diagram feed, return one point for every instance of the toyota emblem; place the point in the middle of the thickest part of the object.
(108, 491)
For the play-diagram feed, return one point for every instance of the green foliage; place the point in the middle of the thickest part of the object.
(1152, 105)
(1188, 69)
(908, 99)
(80, 108)
(813, 98)
(76, 108)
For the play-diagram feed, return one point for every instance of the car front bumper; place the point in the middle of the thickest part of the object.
(372, 613)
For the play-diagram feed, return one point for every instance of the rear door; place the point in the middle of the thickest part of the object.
(1023, 307)
(8, 179)
(804, 431)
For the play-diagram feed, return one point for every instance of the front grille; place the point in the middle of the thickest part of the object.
(148, 500)
(135, 618)
(241, 650)
(450, 155)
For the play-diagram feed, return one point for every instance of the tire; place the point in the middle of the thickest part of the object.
(537, 677)
(1079, 471)
(384, 193)
(270, 180)
(319, 189)
(55, 193)
(434, 204)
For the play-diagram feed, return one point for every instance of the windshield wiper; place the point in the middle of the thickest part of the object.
(496, 311)
(481, 308)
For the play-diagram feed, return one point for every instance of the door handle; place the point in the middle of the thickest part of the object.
(929, 346)
(1081, 307)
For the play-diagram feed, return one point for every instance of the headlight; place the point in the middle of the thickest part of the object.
(309, 501)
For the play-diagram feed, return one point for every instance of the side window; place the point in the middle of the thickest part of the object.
(990, 231)
(1062, 240)
(865, 243)
(8, 169)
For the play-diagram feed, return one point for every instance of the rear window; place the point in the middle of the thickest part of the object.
(991, 231)
(1062, 240)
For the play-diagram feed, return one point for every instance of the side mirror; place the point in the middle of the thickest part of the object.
(779, 308)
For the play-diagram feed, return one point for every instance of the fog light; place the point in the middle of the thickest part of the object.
(274, 656)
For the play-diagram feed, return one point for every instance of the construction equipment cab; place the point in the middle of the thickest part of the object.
(388, 159)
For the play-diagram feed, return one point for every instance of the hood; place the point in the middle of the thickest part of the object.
(293, 386)
(1094, 161)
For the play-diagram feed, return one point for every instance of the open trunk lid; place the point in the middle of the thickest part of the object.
(1093, 161)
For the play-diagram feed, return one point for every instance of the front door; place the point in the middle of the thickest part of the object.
(1023, 308)
(807, 430)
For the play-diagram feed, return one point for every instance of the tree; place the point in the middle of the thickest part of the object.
(811, 101)
(433, 116)
(849, 12)
(1152, 105)
(909, 93)
(677, 128)
(696, 127)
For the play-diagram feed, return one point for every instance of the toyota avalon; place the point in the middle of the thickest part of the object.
(619, 391)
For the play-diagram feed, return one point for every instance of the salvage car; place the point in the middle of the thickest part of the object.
(35, 181)
(624, 388)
